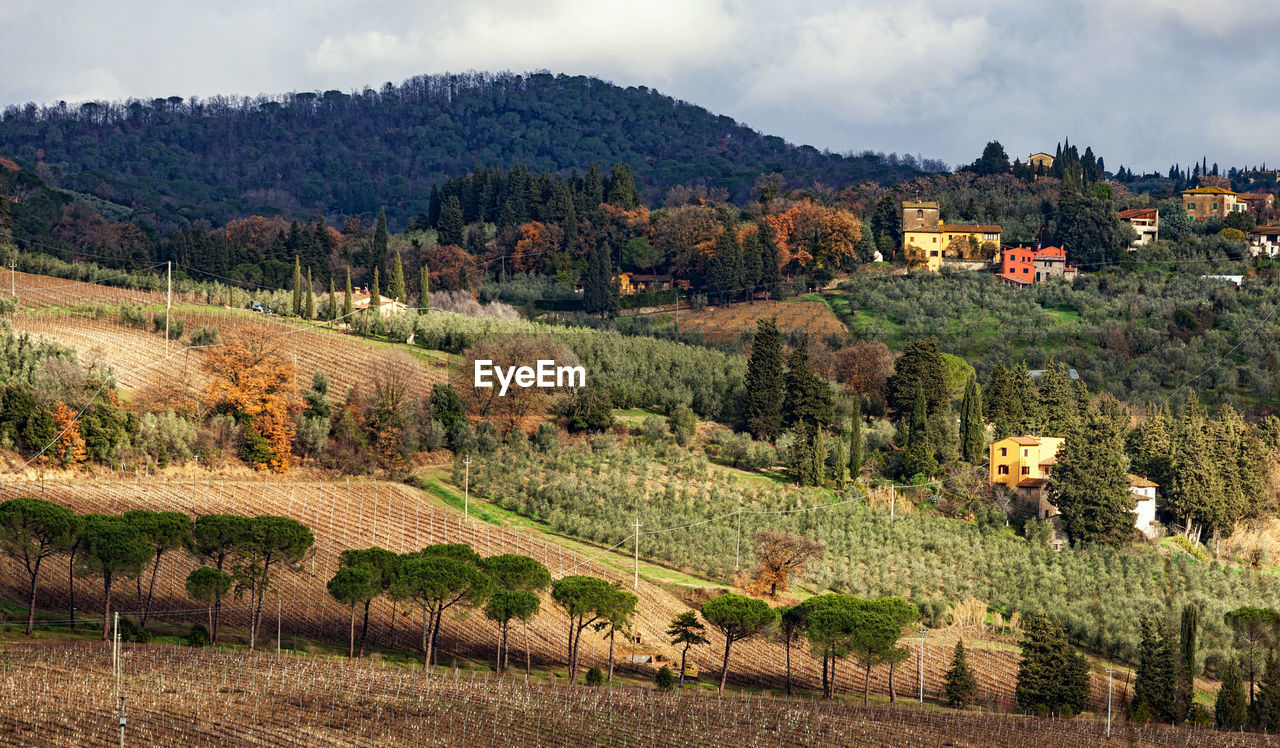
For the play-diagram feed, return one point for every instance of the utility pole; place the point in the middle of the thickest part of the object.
(277, 625)
(1109, 671)
(920, 677)
(116, 666)
(13, 280)
(635, 585)
(466, 489)
(737, 543)
(168, 304)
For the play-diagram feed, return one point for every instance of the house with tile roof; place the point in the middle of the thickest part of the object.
(1022, 266)
(927, 242)
(1203, 203)
(1145, 223)
(1264, 241)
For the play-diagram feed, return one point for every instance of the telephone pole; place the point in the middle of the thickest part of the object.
(920, 677)
(737, 543)
(116, 666)
(635, 584)
(168, 304)
(466, 489)
(13, 280)
(1109, 671)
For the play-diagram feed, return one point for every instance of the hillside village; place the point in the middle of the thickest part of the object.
(974, 442)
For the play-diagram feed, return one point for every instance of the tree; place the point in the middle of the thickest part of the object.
(920, 365)
(686, 631)
(353, 586)
(1155, 684)
(396, 289)
(446, 406)
(165, 531)
(1090, 484)
(269, 542)
(791, 623)
(780, 555)
(764, 382)
(347, 303)
(424, 288)
(69, 449)
(382, 565)
(865, 366)
(1266, 708)
(807, 396)
(599, 287)
(1253, 629)
(309, 309)
(961, 687)
(973, 431)
(214, 539)
(505, 606)
(615, 615)
(207, 586)
(993, 160)
(1059, 406)
(874, 629)
(1187, 638)
(113, 548)
(584, 600)
(378, 250)
(622, 188)
(375, 298)
(331, 312)
(511, 571)
(737, 617)
(724, 272)
(436, 579)
(450, 226)
(855, 440)
(1052, 675)
(1230, 711)
(1089, 229)
(917, 458)
(297, 286)
(31, 530)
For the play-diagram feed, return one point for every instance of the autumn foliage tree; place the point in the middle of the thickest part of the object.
(70, 447)
(781, 555)
(249, 380)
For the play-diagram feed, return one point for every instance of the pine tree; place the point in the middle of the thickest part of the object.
(751, 264)
(973, 432)
(599, 287)
(450, 226)
(1090, 485)
(333, 301)
(1150, 445)
(622, 188)
(770, 282)
(310, 308)
(808, 396)
(764, 382)
(297, 287)
(961, 686)
(378, 252)
(1155, 684)
(1230, 711)
(919, 365)
(424, 288)
(855, 440)
(347, 308)
(396, 288)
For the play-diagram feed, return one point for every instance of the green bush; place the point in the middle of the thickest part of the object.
(664, 678)
(595, 676)
(198, 636)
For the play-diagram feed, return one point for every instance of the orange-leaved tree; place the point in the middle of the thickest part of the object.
(251, 381)
(70, 446)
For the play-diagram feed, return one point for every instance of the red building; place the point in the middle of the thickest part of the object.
(1023, 266)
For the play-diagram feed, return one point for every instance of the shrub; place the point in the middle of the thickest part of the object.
(664, 679)
(654, 429)
(595, 676)
(546, 438)
(133, 316)
(204, 336)
(198, 636)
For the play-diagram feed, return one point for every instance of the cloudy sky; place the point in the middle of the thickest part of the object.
(1146, 82)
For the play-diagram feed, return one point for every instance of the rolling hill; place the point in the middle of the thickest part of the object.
(337, 154)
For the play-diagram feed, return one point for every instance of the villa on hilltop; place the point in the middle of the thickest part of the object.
(928, 243)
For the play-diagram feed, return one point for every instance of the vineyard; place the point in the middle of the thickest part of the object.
(726, 324)
(64, 696)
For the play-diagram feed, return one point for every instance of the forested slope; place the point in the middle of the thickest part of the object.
(335, 153)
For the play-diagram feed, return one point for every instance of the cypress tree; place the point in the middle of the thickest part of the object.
(973, 433)
(1090, 485)
(917, 426)
(375, 295)
(347, 308)
(622, 188)
(1155, 679)
(808, 396)
(802, 454)
(297, 287)
(1059, 407)
(600, 288)
(917, 458)
(855, 441)
(379, 249)
(333, 300)
(433, 206)
(424, 288)
(1194, 482)
(1266, 708)
(396, 289)
(1230, 711)
(819, 456)
(840, 460)
(450, 226)
(1052, 675)
(311, 298)
(725, 269)
(961, 686)
(751, 264)
(770, 281)
(1187, 660)
(764, 382)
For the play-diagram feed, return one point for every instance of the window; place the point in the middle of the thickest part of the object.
(933, 253)
(1003, 470)
(1004, 451)
(1026, 453)
(1026, 470)
(919, 215)
(1215, 207)
(1191, 206)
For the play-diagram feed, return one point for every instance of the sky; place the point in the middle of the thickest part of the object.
(1144, 82)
